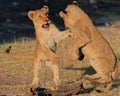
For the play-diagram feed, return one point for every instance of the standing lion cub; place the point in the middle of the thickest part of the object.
(47, 36)
(92, 44)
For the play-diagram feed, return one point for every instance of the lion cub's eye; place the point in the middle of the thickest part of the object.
(65, 12)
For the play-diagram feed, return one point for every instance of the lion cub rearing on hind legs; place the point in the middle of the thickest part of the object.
(47, 36)
(92, 44)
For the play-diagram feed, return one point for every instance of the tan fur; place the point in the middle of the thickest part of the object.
(47, 36)
(93, 45)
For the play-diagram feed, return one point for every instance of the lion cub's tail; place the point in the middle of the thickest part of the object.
(113, 76)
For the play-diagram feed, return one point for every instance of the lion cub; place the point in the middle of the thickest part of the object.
(47, 36)
(92, 43)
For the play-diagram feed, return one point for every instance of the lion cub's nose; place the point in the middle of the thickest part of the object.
(47, 20)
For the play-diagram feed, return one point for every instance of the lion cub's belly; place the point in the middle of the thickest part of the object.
(95, 50)
(51, 44)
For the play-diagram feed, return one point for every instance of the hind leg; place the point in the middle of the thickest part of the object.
(92, 78)
(55, 69)
(35, 80)
(102, 80)
(73, 50)
(104, 67)
(96, 80)
(106, 79)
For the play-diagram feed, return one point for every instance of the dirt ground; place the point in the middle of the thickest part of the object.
(17, 30)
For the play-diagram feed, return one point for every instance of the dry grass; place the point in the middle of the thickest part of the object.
(16, 73)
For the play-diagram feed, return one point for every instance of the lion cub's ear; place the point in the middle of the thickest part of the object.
(46, 8)
(30, 15)
(61, 14)
(75, 3)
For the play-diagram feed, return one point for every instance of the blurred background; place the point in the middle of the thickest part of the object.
(14, 22)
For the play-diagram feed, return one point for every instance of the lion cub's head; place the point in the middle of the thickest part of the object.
(70, 15)
(40, 17)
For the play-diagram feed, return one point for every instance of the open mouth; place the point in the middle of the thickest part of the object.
(45, 25)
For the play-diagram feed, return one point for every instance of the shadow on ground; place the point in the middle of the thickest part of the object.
(87, 70)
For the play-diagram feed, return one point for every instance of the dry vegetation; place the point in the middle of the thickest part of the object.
(16, 73)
